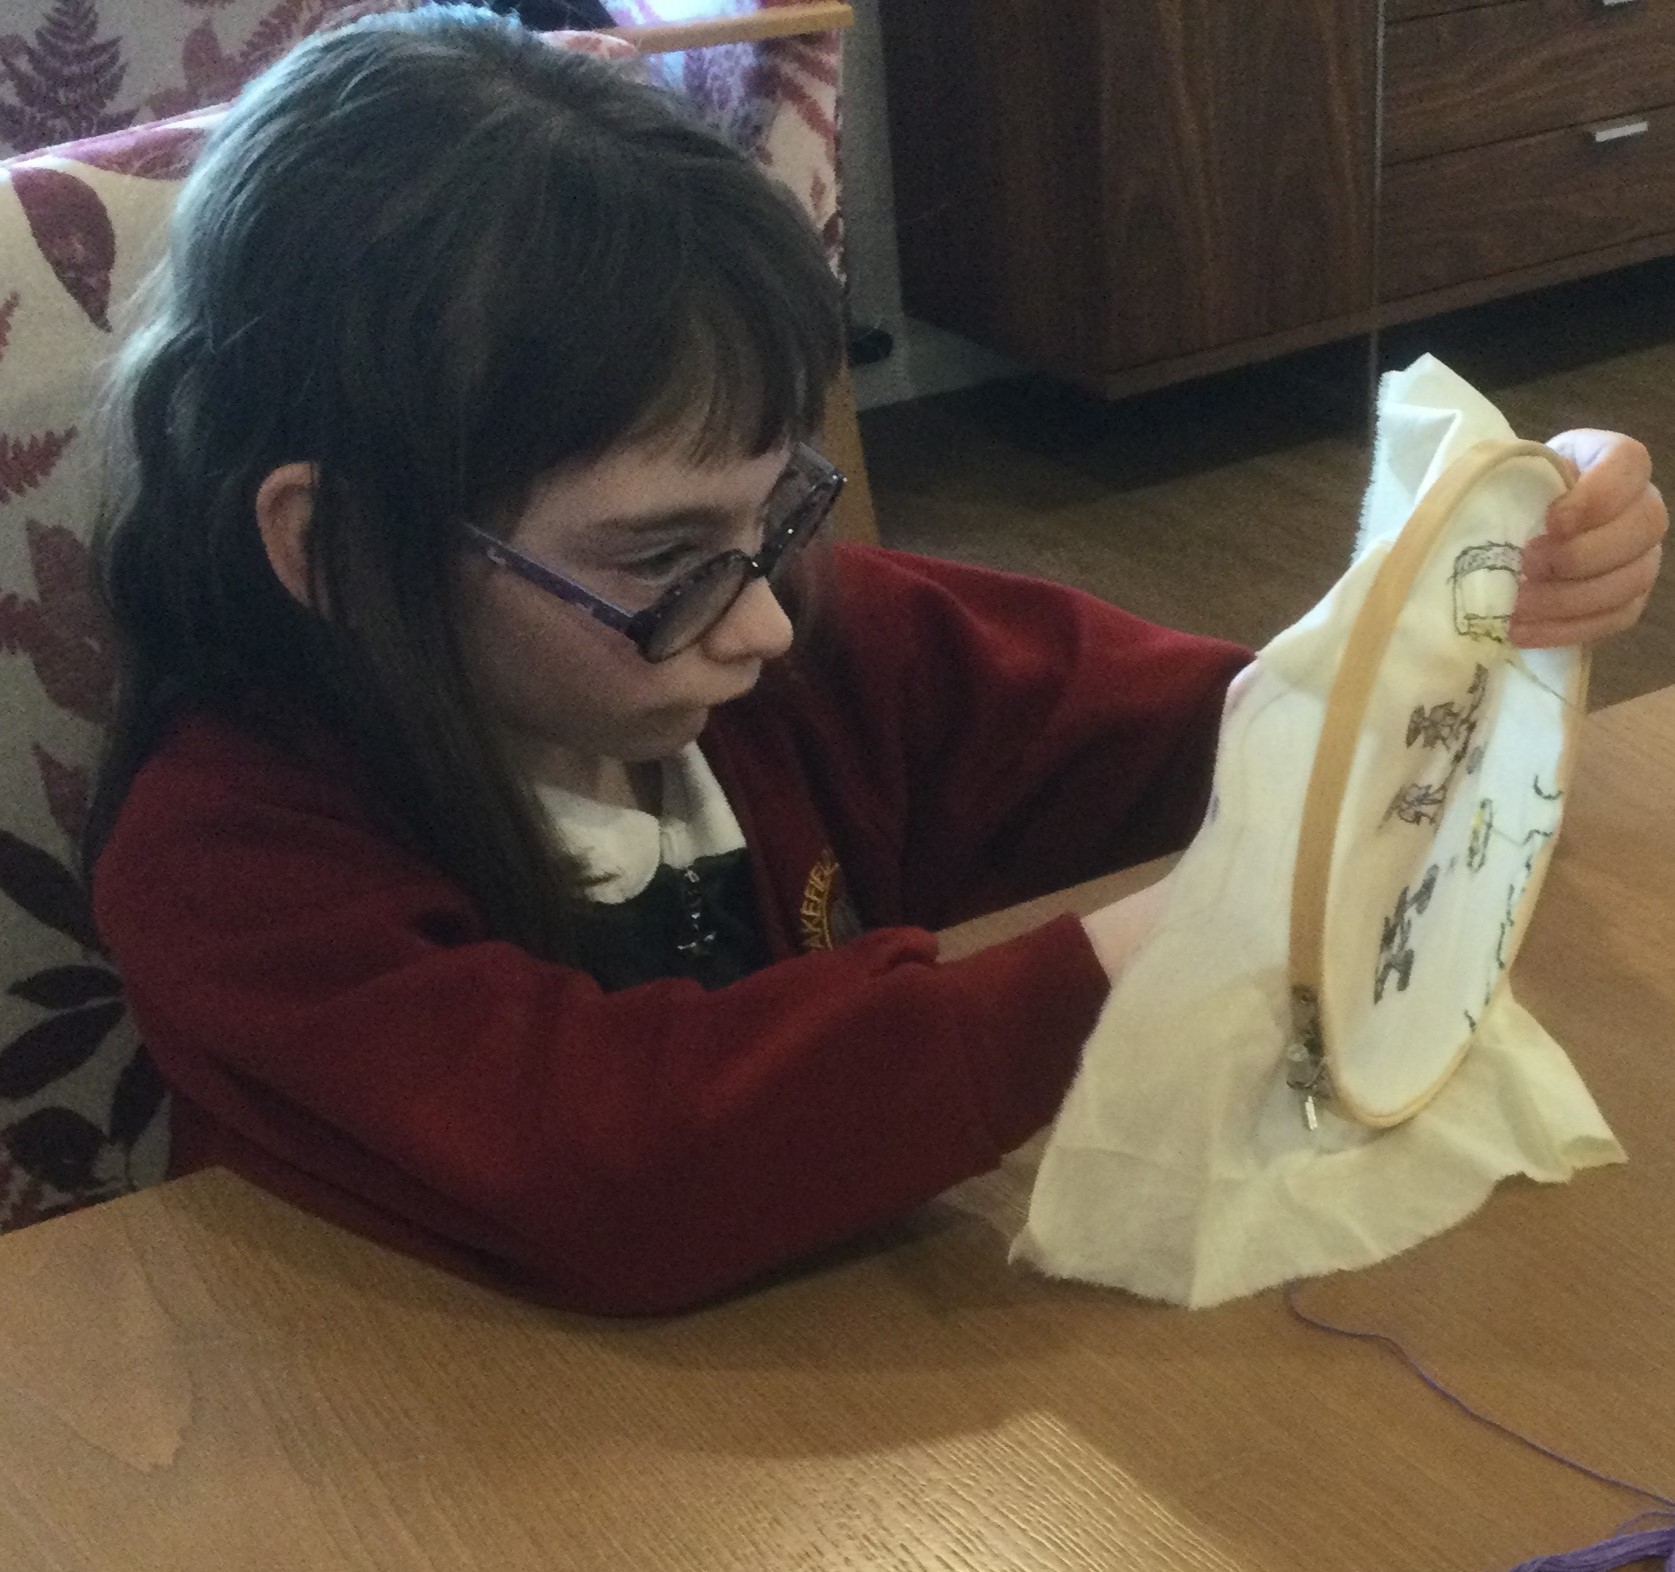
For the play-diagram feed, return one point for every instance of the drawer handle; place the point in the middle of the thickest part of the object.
(1620, 131)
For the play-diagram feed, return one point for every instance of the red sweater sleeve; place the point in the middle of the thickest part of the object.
(341, 1032)
(1013, 736)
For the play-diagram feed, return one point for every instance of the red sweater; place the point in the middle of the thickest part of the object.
(338, 1029)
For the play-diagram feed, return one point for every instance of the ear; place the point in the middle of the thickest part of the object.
(284, 508)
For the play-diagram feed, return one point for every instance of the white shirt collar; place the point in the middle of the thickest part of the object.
(620, 848)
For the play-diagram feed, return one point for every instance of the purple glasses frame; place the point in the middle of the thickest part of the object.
(799, 504)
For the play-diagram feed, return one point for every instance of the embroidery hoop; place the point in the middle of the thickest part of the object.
(1325, 1061)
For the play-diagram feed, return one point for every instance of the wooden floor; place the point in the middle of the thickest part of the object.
(1229, 506)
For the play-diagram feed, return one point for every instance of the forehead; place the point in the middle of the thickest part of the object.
(649, 481)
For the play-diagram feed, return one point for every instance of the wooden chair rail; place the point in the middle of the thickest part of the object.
(780, 21)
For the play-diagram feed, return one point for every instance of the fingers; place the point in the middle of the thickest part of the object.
(1590, 574)
(1578, 611)
(1615, 471)
(1616, 540)
(1581, 630)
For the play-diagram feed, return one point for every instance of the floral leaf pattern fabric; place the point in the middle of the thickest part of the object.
(103, 106)
(38, 884)
(54, 1048)
(210, 72)
(79, 1122)
(135, 1103)
(74, 233)
(64, 81)
(66, 787)
(61, 632)
(64, 987)
(777, 99)
(26, 461)
(85, 68)
(158, 151)
(60, 1149)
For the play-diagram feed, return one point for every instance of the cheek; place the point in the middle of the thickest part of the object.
(537, 665)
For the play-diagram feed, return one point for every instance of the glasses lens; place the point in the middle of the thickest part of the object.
(798, 505)
(793, 519)
(695, 606)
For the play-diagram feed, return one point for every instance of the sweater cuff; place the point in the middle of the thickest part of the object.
(1040, 994)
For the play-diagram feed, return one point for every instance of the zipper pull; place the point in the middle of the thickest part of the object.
(700, 936)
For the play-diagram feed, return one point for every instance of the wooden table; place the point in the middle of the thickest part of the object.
(201, 1378)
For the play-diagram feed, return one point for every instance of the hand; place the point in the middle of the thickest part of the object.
(1589, 575)
(1118, 930)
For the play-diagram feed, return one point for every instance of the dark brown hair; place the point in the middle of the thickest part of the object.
(436, 258)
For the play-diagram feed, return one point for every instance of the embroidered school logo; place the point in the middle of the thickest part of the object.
(827, 915)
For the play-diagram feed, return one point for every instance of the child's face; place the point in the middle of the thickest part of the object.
(572, 694)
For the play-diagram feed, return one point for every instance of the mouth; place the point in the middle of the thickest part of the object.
(737, 694)
(697, 714)
(691, 720)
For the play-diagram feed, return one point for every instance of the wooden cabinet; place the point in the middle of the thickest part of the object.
(1128, 192)
(1469, 78)
(1524, 142)
(1100, 186)
(1485, 213)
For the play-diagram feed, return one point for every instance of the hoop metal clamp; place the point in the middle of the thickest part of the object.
(1306, 1072)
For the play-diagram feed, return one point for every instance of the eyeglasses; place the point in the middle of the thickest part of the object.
(798, 505)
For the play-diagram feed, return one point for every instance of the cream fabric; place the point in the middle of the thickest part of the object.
(1180, 1166)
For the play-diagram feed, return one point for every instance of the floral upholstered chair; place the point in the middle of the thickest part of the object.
(775, 94)
(72, 69)
(82, 1113)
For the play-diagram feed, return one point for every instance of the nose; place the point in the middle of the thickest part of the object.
(755, 627)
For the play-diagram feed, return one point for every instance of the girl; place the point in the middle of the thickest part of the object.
(481, 872)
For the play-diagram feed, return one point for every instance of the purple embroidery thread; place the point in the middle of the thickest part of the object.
(1621, 1550)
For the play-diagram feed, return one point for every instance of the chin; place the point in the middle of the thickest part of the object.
(667, 733)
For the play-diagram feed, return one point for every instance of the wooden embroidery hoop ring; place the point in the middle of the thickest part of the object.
(1340, 734)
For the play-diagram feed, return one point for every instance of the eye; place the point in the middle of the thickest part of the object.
(666, 563)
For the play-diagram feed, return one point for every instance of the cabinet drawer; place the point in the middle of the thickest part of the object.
(1489, 210)
(1500, 71)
